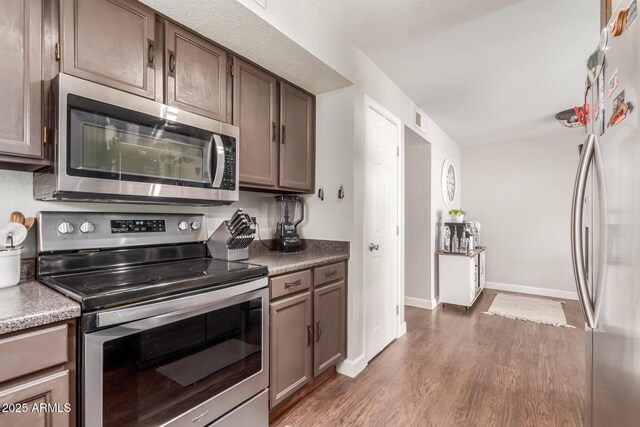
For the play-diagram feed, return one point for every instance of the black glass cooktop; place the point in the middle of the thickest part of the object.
(112, 287)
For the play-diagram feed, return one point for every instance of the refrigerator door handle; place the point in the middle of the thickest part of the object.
(590, 154)
(602, 230)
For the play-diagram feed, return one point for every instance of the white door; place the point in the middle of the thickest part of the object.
(381, 232)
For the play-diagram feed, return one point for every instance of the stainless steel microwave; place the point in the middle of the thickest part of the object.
(114, 146)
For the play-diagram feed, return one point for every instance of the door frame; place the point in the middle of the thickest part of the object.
(401, 326)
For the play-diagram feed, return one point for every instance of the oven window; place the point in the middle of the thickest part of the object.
(114, 143)
(157, 374)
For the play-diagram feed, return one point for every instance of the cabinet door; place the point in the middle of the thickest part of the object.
(474, 271)
(21, 78)
(33, 402)
(297, 139)
(483, 276)
(291, 341)
(255, 111)
(196, 74)
(329, 307)
(111, 42)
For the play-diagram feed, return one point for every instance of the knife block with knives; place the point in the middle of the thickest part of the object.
(232, 238)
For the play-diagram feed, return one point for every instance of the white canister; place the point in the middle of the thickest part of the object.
(9, 267)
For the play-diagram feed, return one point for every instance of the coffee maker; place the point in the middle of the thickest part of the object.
(291, 215)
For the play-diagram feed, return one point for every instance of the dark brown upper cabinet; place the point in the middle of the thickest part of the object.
(277, 131)
(111, 42)
(21, 104)
(297, 139)
(255, 111)
(196, 74)
(329, 307)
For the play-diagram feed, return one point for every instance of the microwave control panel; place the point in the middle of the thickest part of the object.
(230, 164)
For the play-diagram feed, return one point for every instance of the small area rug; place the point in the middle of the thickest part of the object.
(531, 309)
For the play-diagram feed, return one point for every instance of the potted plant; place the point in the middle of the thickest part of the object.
(457, 215)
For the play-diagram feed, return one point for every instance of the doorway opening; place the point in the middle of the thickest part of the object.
(417, 220)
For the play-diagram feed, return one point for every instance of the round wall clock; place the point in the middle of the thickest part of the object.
(449, 182)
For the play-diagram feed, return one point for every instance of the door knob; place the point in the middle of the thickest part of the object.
(373, 247)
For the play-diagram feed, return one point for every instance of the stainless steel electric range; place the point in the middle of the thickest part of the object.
(168, 335)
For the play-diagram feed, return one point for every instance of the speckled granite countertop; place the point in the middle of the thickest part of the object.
(313, 254)
(32, 304)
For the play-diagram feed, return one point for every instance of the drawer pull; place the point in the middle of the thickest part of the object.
(318, 330)
(309, 335)
(331, 273)
(293, 284)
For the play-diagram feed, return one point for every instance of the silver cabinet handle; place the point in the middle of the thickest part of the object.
(293, 284)
(151, 53)
(590, 153)
(373, 247)
(309, 335)
(318, 330)
(172, 64)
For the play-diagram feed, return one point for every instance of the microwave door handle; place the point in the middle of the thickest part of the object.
(217, 177)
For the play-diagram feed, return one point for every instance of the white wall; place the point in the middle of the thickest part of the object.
(417, 213)
(332, 218)
(521, 192)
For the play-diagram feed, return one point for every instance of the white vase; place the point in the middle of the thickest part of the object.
(457, 218)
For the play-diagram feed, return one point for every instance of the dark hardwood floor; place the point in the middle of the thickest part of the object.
(457, 368)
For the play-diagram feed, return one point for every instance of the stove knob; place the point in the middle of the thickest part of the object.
(195, 225)
(183, 225)
(87, 227)
(65, 227)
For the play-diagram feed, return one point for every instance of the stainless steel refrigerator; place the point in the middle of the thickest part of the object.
(606, 227)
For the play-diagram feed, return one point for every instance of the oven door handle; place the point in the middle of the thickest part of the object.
(185, 304)
(217, 177)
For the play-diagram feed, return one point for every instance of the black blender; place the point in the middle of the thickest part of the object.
(286, 233)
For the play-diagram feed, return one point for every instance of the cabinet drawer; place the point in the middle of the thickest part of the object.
(328, 273)
(32, 351)
(290, 283)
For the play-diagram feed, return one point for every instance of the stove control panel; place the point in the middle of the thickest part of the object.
(138, 226)
(67, 231)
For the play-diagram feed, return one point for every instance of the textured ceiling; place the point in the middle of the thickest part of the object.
(484, 70)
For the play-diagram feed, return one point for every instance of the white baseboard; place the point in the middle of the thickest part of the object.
(428, 304)
(402, 329)
(352, 367)
(532, 290)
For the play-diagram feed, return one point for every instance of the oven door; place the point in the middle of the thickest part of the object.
(114, 145)
(180, 368)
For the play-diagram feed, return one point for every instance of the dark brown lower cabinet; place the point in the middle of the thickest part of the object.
(329, 311)
(291, 346)
(37, 376)
(30, 403)
(308, 328)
